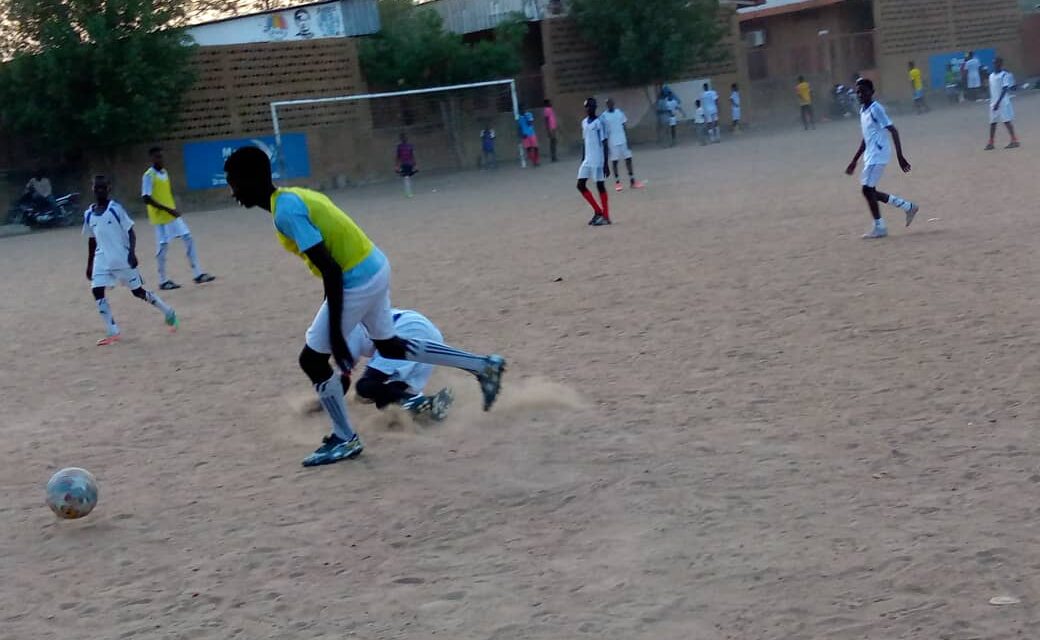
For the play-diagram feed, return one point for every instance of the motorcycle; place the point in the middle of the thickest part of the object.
(61, 212)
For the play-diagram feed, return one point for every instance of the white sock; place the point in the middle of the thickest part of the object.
(407, 186)
(435, 353)
(880, 223)
(896, 201)
(193, 257)
(157, 302)
(330, 395)
(106, 314)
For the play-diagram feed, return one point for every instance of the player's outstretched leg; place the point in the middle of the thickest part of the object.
(488, 369)
(1014, 139)
(909, 208)
(343, 443)
(636, 184)
(169, 314)
(111, 328)
(591, 199)
(617, 177)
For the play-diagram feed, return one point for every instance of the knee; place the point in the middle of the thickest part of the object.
(601, 187)
(368, 388)
(99, 293)
(392, 348)
(315, 365)
(870, 193)
(581, 186)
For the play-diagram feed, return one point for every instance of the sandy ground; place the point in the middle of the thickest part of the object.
(726, 416)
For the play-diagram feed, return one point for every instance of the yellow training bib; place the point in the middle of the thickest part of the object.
(347, 243)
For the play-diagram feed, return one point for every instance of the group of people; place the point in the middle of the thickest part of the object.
(706, 113)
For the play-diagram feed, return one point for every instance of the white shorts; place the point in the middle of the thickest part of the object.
(672, 121)
(166, 232)
(620, 152)
(590, 172)
(872, 175)
(110, 277)
(408, 325)
(712, 116)
(368, 304)
(1006, 112)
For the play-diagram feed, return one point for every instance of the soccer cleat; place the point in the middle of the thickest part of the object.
(595, 219)
(440, 404)
(204, 278)
(1013, 145)
(617, 186)
(417, 405)
(107, 340)
(638, 184)
(333, 449)
(875, 233)
(169, 285)
(171, 321)
(602, 222)
(491, 379)
(912, 213)
(989, 147)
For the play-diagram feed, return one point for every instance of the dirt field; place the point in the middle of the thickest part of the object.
(726, 416)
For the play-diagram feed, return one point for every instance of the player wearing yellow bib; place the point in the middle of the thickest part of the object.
(917, 84)
(162, 213)
(356, 277)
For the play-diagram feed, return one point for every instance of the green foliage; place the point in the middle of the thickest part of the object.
(646, 42)
(94, 74)
(414, 50)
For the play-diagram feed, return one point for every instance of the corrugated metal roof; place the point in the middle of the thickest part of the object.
(777, 7)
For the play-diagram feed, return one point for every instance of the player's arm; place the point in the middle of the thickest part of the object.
(606, 156)
(91, 248)
(1000, 99)
(904, 164)
(170, 210)
(851, 169)
(131, 259)
(332, 280)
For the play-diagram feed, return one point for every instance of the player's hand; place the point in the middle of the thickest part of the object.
(904, 164)
(132, 261)
(851, 169)
(606, 171)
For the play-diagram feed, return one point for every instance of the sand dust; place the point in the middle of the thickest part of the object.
(726, 416)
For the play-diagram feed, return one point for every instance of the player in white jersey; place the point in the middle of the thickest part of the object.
(112, 258)
(387, 381)
(710, 100)
(1001, 110)
(876, 153)
(617, 139)
(593, 164)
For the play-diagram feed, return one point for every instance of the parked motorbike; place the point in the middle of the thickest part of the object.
(32, 212)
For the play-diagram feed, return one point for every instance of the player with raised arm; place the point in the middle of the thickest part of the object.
(593, 164)
(112, 258)
(356, 279)
(876, 153)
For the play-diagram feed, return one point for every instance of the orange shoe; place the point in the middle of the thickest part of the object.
(638, 184)
(107, 340)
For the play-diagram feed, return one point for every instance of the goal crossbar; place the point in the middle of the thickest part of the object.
(390, 94)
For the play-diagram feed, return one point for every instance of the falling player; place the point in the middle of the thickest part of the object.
(617, 138)
(356, 278)
(593, 164)
(162, 213)
(1001, 109)
(112, 258)
(876, 152)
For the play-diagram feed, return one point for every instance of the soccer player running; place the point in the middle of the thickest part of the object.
(404, 163)
(168, 222)
(920, 106)
(112, 258)
(593, 165)
(876, 153)
(356, 278)
(1001, 109)
(617, 138)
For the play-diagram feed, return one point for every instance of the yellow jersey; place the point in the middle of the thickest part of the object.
(804, 93)
(915, 78)
(157, 185)
(304, 218)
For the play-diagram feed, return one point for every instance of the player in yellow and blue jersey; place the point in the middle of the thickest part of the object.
(356, 278)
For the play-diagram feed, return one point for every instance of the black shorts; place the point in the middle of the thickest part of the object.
(407, 170)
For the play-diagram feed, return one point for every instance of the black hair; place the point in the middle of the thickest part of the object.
(547, 102)
(154, 150)
(866, 82)
(249, 163)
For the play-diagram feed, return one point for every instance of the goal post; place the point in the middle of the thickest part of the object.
(294, 114)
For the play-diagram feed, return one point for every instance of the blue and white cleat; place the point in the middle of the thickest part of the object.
(334, 449)
(491, 379)
(440, 404)
(911, 214)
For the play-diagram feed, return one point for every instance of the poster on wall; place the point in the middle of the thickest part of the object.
(310, 22)
(204, 161)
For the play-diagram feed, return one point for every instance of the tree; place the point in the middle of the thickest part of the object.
(94, 74)
(651, 43)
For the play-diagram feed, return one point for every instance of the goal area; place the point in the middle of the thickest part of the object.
(355, 135)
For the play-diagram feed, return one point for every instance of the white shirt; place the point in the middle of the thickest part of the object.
(698, 116)
(147, 180)
(615, 121)
(875, 121)
(111, 229)
(734, 100)
(710, 100)
(594, 133)
(998, 81)
(407, 325)
(972, 67)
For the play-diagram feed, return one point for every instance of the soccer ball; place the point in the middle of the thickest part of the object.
(72, 493)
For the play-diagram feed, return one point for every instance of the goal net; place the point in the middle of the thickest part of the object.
(354, 136)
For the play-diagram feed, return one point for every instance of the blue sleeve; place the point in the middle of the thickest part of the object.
(292, 220)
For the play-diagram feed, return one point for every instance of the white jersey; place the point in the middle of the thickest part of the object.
(875, 122)
(698, 116)
(111, 229)
(594, 133)
(710, 100)
(615, 123)
(734, 101)
(407, 324)
(972, 68)
(998, 81)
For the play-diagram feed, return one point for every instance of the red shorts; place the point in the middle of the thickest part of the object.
(530, 142)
